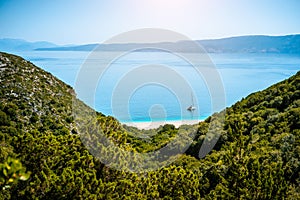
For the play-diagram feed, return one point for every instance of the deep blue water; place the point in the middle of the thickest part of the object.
(116, 94)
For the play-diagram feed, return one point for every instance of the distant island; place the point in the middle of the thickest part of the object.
(241, 44)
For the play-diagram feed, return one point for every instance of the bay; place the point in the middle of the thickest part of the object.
(241, 74)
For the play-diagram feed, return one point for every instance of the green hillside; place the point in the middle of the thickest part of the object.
(42, 156)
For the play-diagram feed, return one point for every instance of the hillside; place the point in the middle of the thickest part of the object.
(43, 157)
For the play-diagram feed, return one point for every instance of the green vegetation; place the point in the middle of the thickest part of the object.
(42, 156)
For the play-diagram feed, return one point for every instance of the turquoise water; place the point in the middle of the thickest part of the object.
(241, 74)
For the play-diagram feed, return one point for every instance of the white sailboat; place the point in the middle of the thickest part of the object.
(191, 108)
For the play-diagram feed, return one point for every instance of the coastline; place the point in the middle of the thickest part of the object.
(155, 124)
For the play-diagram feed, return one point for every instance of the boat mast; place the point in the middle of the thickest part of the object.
(192, 99)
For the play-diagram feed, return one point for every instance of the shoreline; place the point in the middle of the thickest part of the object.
(155, 124)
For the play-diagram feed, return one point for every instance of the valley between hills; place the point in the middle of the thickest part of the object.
(42, 155)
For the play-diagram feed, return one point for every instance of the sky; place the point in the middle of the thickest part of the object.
(94, 21)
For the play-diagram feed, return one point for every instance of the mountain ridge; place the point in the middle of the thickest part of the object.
(236, 44)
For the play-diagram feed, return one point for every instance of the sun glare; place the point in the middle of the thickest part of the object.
(168, 4)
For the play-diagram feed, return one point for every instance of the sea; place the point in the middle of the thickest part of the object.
(160, 86)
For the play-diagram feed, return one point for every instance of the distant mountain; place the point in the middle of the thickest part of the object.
(254, 44)
(242, 44)
(8, 44)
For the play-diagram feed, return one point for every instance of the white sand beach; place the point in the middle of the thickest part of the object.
(156, 124)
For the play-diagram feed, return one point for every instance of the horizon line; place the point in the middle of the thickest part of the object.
(97, 43)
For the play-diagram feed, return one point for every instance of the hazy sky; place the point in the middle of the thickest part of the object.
(89, 21)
